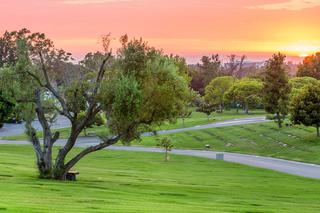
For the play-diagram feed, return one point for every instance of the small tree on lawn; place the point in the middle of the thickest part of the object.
(276, 88)
(206, 108)
(185, 113)
(165, 143)
(305, 107)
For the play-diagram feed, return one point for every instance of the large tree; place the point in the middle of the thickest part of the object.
(136, 88)
(310, 67)
(215, 91)
(276, 88)
(246, 93)
(305, 107)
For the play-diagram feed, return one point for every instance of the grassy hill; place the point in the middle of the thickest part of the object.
(266, 139)
(119, 181)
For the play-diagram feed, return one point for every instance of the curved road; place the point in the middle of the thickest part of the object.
(286, 166)
(18, 129)
(232, 122)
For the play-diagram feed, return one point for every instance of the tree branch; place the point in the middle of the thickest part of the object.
(92, 110)
(35, 78)
(32, 133)
(41, 114)
(104, 144)
(55, 137)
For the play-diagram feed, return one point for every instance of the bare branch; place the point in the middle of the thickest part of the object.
(55, 137)
(53, 91)
(100, 74)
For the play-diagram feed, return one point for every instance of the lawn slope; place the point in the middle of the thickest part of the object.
(297, 143)
(119, 181)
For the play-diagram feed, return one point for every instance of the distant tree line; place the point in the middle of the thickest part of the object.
(271, 87)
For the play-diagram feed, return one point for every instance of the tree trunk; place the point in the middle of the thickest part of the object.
(279, 120)
(318, 133)
(183, 122)
(246, 109)
(45, 167)
(221, 107)
(59, 172)
(166, 158)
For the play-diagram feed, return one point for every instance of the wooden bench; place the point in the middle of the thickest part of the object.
(72, 175)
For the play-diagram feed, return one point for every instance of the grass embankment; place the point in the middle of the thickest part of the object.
(119, 181)
(195, 119)
(266, 139)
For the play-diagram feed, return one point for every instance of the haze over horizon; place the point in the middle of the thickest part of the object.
(190, 28)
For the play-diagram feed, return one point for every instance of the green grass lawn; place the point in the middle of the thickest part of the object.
(119, 181)
(195, 119)
(266, 139)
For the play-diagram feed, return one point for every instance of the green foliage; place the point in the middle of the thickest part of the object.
(215, 91)
(310, 67)
(75, 96)
(97, 121)
(145, 89)
(165, 143)
(13, 84)
(276, 90)
(245, 92)
(305, 107)
(6, 108)
(206, 108)
(298, 83)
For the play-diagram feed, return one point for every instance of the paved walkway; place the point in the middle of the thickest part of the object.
(18, 129)
(232, 122)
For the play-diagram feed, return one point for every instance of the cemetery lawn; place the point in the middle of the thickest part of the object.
(120, 181)
(297, 143)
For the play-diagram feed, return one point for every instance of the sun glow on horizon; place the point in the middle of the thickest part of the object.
(301, 49)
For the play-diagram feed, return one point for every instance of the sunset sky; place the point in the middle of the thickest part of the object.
(190, 28)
